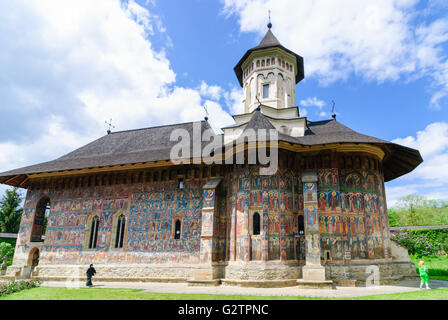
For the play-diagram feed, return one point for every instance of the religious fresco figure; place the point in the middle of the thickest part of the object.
(330, 225)
(322, 202)
(334, 201)
(351, 202)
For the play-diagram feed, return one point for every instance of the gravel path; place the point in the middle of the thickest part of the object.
(339, 292)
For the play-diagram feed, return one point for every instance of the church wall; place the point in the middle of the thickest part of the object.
(272, 198)
(150, 210)
(352, 213)
(351, 204)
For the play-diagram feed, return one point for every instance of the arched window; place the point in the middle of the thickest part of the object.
(256, 223)
(177, 229)
(94, 232)
(301, 225)
(119, 237)
(39, 223)
(265, 91)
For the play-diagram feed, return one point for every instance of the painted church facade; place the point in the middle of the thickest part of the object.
(123, 205)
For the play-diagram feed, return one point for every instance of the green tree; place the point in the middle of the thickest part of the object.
(394, 218)
(6, 250)
(10, 211)
(411, 204)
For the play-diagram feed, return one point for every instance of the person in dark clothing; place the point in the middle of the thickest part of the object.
(90, 272)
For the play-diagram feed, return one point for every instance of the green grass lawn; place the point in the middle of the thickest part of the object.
(438, 266)
(51, 293)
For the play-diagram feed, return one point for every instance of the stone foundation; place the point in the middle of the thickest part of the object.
(116, 272)
(253, 274)
(362, 272)
(255, 270)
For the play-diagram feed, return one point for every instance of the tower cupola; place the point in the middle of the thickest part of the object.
(268, 74)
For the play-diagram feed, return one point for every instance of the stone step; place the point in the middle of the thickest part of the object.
(315, 284)
(260, 283)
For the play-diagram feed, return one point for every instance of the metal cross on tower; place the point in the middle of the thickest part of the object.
(269, 24)
(333, 114)
(110, 126)
(206, 112)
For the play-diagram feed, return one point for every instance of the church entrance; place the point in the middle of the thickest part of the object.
(33, 258)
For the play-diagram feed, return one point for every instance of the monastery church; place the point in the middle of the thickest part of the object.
(120, 203)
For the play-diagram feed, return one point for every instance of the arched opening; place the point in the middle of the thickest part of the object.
(119, 237)
(94, 232)
(301, 225)
(256, 224)
(177, 229)
(40, 218)
(33, 258)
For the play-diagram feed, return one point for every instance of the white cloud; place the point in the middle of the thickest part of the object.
(211, 91)
(234, 99)
(431, 141)
(429, 178)
(67, 66)
(381, 40)
(312, 102)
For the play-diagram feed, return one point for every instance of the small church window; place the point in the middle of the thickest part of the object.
(40, 219)
(196, 172)
(177, 230)
(181, 184)
(265, 91)
(256, 223)
(94, 232)
(301, 225)
(120, 231)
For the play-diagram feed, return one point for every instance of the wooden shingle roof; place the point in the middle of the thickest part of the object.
(154, 144)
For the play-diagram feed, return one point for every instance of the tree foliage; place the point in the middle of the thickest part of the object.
(415, 210)
(10, 211)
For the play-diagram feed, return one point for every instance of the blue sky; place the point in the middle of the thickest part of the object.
(67, 66)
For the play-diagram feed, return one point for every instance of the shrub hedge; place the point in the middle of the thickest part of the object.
(15, 286)
(424, 242)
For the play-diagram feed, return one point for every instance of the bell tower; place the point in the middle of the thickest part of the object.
(268, 74)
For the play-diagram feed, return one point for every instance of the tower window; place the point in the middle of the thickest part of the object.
(265, 91)
(256, 223)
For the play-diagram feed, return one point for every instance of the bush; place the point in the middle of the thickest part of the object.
(16, 286)
(6, 250)
(424, 242)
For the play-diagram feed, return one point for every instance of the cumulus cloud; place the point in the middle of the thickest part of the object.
(312, 102)
(67, 66)
(430, 177)
(381, 40)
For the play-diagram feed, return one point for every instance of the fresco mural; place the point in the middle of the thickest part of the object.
(149, 209)
(350, 217)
